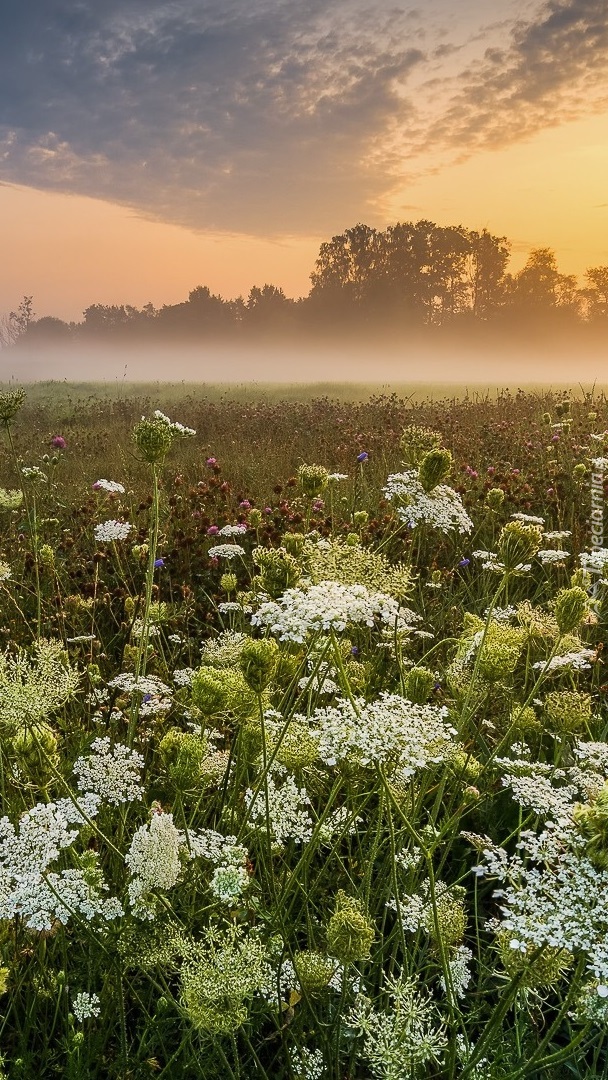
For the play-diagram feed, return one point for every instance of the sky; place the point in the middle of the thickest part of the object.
(149, 147)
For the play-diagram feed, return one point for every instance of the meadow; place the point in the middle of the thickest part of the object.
(303, 729)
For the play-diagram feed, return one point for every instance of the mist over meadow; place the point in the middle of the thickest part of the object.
(491, 364)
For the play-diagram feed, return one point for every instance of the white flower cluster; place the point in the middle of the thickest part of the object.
(410, 1033)
(326, 606)
(5, 571)
(579, 661)
(145, 684)
(559, 534)
(337, 477)
(233, 530)
(154, 861)
(288, 816)
(28, 888)
(225, 551)
(554, 897)
(307, 1064)
(460, 972)
(109, 485)
(112, 530)
(390, 730)
(230, 877)
(441, 508)
(177, 429)
(528, 519)
(550, 556)
(490, 561)
(84, 1006)
(594, 560)
(183, 676)
(593, 755)
(112, 772)
(538, 794)
(600, 464)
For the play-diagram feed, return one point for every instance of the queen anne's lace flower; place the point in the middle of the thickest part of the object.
(233, 530)
(112, 530)
(225, 551)
(391, 731)
(326, 606)
(441, 508)
(85, 1005)
(109, 485)
(154, 861)
(550, 556)
(288, 817)
(113, 772)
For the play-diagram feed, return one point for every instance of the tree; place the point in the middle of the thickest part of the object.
(596, 292)
(539, 288)
(13, 326)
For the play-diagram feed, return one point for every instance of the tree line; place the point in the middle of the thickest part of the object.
(406, 278)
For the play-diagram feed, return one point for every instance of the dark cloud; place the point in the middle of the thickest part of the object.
(258, 117)
(552, 70)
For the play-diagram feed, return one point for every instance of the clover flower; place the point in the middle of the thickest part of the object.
(111, 530)
(441, 508)
(113, 772)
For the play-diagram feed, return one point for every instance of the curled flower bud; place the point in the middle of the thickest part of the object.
(517, 544)
(258, 663)
(434, 468)
(153, 439)
(419, 683)
(349, 932)
(571, 606)
(495, 498)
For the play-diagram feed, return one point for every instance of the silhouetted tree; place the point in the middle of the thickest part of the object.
(596, 292)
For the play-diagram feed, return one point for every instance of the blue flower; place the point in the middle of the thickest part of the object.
(363, 456)
(464, 562)
(159, 563)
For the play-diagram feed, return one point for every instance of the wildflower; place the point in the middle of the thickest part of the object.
(434, 468)
(441, 507)
(313, 479)
(417, 441)
(225, 551)
(112, 772)
(5, 571)
(337, 477)
(112, 486)
(407, 1035)
(58, 442)
(158, 564)
(287, 818)
(460, 972)
(10, 404)
(258, 662)
(154, 862)
(219, 977)
(571, 606)
(213, 530)
(362, 457)
(84, 1006)
(112, 530)
(391, 730)
(349, 931)
(578, 659)
(211, 461)
(10, 500)
(326, 606)
(177, 430)
(34, 686)
(552, 556)
(233, 530)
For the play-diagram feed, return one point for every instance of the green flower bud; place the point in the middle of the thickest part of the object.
(298, 749)
(153, 439)
(567, 712)
(495, 498)
(352, 540)
(592, 821)
(579, 471)
(255, 518)
(451, 920)
(541, 973)
(313, 479)
(434, 468)
(547, 419)
(313, 969)
(416, 441)
(592, 416)
(571, 606)
(209, 691)
(47, 558)
(182, 753)
(10, 404)
(36, 752)
(293, 543)
(517, 544)
(279, 570)
(228, 582)
(419, 682)
(500, 651)
(361, 518)
(349, 932)
(258, 663)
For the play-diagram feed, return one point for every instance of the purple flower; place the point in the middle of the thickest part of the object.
(363, 456)
(354, 651)
(58, 442)
(491, 469)
(245, 505)
(211, 461)
(147, 697)
(464, 562)
(268, 509)
(213, 530)
(159, 563)
(555, 438)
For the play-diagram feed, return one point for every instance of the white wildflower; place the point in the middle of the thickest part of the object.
(460, 972)
(154, 862)
(441, 508)
(326, 606)
(549, 556)
(233, 530)
(84, 1006)
(113, 772)
(109, 485)
(112, 530)
(288, 817)
(225, 551)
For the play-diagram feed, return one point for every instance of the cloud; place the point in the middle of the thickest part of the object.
(258, 117)
(552, 70)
